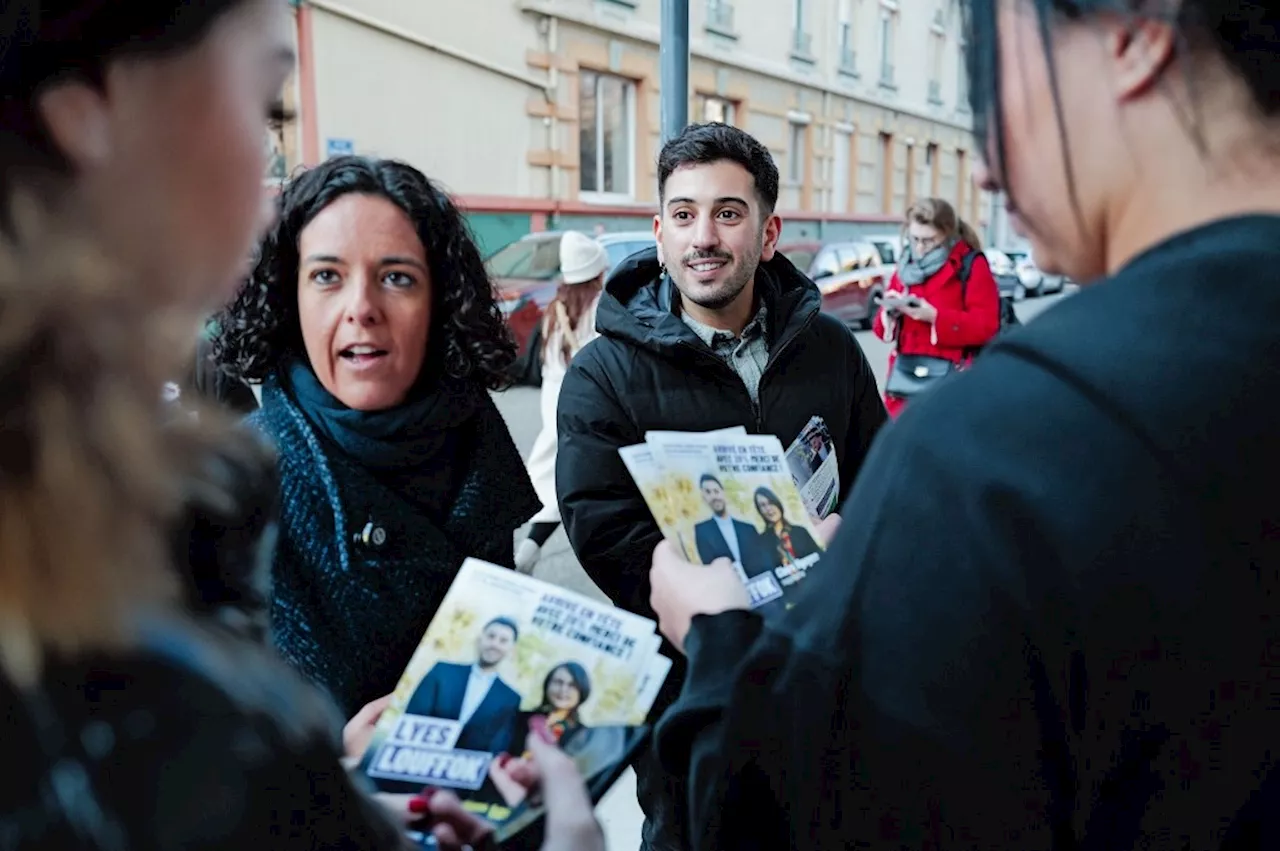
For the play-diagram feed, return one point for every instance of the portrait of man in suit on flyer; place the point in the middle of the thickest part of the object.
(474, 695)
(725, 536)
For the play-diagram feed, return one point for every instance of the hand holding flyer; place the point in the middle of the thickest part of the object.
(730, 495)
(506, 654)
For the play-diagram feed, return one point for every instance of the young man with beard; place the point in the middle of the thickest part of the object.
(710, 329)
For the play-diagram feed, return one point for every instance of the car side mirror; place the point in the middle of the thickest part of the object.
(823, 273)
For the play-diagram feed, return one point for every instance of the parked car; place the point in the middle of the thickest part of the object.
(525, 275)
(1005, 271)
(851, 276)
(890, 248)
(1035, 280)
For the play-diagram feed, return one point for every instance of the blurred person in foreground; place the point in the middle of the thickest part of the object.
(130, 188)
(1054, 624)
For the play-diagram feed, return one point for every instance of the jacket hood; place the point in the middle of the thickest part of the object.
(635, 306)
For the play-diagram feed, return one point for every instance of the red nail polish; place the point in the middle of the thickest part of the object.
(503, 759)
(538, 724)
(419, 806)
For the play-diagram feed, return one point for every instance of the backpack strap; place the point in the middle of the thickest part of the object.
(966, 269)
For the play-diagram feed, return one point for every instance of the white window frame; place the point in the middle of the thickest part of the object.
(598, 196)
(796, 158)
(888, 42)
(840, 188)
(730, 108)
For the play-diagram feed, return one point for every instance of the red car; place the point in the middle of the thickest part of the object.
(525, 275)
(851, 276)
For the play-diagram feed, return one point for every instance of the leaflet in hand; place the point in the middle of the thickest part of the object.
(812, 459)
(502, 649)
(730, 495)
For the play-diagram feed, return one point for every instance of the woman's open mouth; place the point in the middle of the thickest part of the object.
(362, 355)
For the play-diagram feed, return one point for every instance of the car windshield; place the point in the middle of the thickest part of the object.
(885, 250)
(801, 258)
(526, 258)
(619, 251)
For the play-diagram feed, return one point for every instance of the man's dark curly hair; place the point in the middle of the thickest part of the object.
(468, 341)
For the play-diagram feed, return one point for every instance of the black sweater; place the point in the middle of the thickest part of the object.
(1056, 625)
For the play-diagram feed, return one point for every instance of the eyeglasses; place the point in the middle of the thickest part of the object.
(923, 244)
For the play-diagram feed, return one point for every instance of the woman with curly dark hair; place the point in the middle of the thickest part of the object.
(373, 329)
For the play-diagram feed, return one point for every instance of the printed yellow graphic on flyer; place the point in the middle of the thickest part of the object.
(505, 649)
(731, 496)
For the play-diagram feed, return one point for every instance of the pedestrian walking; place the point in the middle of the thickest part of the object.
(568, 324)
(941, 305)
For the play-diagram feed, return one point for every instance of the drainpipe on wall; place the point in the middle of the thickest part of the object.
(385, 28)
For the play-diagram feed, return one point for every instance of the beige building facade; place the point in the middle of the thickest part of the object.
(540, 113)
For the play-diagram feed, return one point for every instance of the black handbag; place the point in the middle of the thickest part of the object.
(913, 374)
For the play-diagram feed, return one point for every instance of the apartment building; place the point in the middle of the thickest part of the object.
(545, 113)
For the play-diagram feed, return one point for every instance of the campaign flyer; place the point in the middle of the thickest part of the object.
(814, 468)
(732, 496)
(502, 649)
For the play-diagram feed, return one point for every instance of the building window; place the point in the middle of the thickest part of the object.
(606, 136)
(842, 162)
(888, 37)
(720, 16)
(277, 163)
(937, 47)
(962, 78)
(801, 41)
(712, 108)
(848, 52)
(798, 149)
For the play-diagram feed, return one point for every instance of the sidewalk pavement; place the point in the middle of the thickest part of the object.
(618, 812)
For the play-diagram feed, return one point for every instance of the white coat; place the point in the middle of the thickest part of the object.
(542, 459)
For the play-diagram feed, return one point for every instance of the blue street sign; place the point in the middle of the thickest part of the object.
(340, 147)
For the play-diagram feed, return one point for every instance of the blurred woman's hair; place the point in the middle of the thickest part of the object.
(1239, 36)
(46, 40)
(90, 477)
(468, 340)
(939, 214)
(581, 681)
(576, 298)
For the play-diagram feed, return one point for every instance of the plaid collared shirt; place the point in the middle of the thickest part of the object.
(746, 355)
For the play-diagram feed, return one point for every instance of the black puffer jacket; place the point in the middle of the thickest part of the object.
(649, 371)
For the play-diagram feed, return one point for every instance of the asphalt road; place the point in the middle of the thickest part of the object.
(618, 812)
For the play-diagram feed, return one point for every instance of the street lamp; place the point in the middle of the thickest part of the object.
(673, 58)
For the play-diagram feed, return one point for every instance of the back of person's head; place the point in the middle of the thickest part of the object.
(93, 298)
(468, 339)
(44, 42)
(1109, 125)
(704, 144)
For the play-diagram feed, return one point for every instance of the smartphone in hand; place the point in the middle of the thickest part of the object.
(897, 301)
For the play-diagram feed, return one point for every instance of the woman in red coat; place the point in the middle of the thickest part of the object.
(937, 319)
